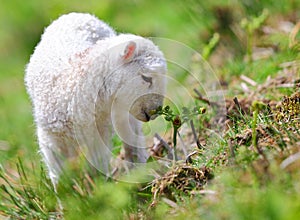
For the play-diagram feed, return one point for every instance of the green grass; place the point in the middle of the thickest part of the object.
(248, 182)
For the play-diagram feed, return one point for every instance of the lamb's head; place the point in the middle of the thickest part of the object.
(144, 77)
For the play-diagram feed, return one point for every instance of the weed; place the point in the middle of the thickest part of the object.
(22, 200)
(178, 120)
(250, 25)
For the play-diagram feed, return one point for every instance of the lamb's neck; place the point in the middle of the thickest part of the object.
(111, 83)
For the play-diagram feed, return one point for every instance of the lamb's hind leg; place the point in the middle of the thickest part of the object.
(50, 148)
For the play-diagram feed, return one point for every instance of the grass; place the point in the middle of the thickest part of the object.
(246, 172)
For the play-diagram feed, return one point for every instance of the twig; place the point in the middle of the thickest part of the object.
(165, 144)
(248, 80)
(170, 203)
(288, 85)
(200, 97)
(183, 144)
(199, 94)
(114, 171)
(291, 159)
(175, 129)
(195, 135)
(205, 192)
(293, 34)
(89, 179)
(236, 102)
(188, 158)
(245, 87)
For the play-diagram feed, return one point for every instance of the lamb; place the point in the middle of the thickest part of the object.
(86, 83)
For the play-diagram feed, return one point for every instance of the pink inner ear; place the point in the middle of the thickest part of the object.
(129, 52)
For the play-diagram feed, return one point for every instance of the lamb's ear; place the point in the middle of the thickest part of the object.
(129, 51)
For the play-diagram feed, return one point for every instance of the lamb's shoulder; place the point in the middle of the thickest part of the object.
(72, 94)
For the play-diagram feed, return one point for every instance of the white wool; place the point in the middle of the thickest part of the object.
(82, 85)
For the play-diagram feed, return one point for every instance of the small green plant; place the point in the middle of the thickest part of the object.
(209, 47)
(256, 106)
(251, 25)
(178, 119)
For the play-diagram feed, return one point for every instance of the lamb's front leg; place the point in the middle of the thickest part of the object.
(94, 143)
(134, 144)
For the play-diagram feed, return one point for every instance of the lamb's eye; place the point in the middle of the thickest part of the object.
(147, 79)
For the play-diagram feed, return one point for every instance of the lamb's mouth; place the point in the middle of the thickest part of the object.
(147, 116)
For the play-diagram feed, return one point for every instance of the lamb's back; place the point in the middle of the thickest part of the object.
(66, 36)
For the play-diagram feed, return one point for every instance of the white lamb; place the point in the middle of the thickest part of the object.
(86, 82)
